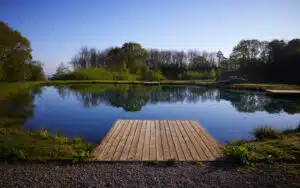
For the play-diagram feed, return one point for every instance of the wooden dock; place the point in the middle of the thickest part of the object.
(143, 140)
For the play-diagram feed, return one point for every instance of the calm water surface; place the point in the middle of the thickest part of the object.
(89, 111)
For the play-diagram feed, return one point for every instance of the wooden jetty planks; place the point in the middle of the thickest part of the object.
(143, 140)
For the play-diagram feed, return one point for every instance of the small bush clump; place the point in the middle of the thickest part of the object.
(239, 153)
(266, 132)
(44, 134)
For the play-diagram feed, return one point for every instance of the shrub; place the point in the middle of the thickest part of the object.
(265, 132)
(239, 153)
(81, 156)
(192, 75)
(151, 75)
(87, 74)
(77, 140)
(44, 133)
(61, 139)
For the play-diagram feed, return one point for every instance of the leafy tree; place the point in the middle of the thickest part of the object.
(15, 53)
(62, 70)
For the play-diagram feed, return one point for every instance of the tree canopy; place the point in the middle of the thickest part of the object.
(15, 57)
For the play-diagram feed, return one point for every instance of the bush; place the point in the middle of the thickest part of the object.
(191, 75)
(151, 75)
(265, 132)
(81, 156)
(239, 153)
(44, 133)
(86, 74)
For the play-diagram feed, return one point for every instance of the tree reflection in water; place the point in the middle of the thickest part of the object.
(133, 97)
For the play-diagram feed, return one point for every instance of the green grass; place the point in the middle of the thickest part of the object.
(18, 145)
(285, 148)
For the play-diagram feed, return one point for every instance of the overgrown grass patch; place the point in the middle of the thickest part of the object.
(19, 145)
(285, 148)
(265, 132)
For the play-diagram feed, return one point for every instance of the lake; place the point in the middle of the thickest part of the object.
(89, 111)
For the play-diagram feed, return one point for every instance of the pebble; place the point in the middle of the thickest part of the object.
(139, 175)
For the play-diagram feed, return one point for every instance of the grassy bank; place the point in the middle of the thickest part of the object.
(270, 146)
(18, 144)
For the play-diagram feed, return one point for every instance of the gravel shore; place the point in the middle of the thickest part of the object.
(141, 175)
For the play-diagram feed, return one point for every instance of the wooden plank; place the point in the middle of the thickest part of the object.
(165, 145)
(178, 148)
(139, 151)
(108, 145)
(211, 140)
(146, 149)
(128, 143)
(121, 145)
(157, 140)
(105, 140)
(115, 143)
(207, 142)
(152, 155)
(189, 143)
(201, 148)
(173, 153)
(184, 147)
(159, 149)
(135, 141)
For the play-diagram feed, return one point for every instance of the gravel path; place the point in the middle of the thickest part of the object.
(139, 175)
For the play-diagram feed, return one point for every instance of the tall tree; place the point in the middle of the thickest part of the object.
(15, 53)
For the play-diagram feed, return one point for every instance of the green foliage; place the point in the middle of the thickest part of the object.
(151, 75)
(201, 75)
(86, 74)
(239, 153)
(15, 57)
(81, 156)
(44, 134)
(265, 132)
(171, 162)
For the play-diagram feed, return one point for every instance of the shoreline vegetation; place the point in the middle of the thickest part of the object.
(8, 89)
(20, 145)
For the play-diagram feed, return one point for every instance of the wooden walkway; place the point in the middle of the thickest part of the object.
(142, 140)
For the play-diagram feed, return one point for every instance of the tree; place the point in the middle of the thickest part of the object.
(62, 70)
(35, 71)
(15, 53)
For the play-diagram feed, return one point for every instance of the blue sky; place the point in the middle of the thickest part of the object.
(58, 28)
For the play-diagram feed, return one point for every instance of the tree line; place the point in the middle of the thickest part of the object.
(254, 60)
(16, 62)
